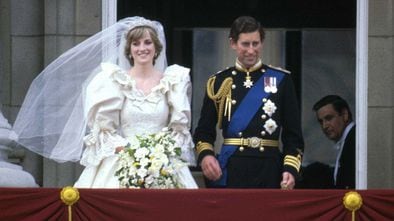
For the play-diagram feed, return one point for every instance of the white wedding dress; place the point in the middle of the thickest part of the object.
(117, 111)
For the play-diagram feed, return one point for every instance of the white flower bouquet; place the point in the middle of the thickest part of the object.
(150, 161)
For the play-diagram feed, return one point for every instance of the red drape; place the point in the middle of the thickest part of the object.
(203, 204)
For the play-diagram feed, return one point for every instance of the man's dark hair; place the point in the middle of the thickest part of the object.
(337, 102)
(245, 24)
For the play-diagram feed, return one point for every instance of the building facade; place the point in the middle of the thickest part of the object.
(34, 33)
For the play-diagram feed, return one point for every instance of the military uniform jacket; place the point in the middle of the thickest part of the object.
(281, 118)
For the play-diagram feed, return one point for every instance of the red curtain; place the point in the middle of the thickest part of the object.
(203, 204)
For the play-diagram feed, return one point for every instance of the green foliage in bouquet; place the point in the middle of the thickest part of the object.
(150, 161)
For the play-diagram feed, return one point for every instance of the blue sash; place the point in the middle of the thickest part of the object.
(242, 117)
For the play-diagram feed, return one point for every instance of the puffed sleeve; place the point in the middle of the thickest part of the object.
(179, 96)
(104, 100)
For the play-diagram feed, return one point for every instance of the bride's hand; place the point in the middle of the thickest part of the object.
(118, 149)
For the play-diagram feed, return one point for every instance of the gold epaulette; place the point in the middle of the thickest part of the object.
(293, 161)
(222, 98)
(201, 146)
(279, 69)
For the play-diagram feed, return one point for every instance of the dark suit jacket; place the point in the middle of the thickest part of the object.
(346, 177)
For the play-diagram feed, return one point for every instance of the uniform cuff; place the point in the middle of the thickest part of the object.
(203, 149)
(292, 164)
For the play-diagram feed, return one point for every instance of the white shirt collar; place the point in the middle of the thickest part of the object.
(340, 142)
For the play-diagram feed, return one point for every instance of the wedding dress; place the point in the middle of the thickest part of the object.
(117, 111)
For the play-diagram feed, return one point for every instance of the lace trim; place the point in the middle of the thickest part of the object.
(100, 143)
(173, 75)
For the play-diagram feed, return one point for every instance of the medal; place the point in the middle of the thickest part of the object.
(248, 83)
(270, 85)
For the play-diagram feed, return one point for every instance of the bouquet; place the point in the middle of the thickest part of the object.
(150, 161)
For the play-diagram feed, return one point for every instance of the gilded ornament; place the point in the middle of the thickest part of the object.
(69, 195)
(352, 201)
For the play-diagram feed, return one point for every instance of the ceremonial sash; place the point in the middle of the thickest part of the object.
(242, 117)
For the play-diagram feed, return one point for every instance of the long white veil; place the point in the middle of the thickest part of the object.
(51, 121)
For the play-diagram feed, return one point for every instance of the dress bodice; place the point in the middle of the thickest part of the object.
(117, 111)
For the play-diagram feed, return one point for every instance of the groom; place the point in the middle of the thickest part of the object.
(253, 104)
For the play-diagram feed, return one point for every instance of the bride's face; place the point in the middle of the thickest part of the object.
(143, 50)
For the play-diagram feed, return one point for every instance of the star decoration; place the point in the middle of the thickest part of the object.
(248, 83)
(270, 126)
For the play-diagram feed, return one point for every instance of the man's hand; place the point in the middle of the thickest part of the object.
(211, 168)
(288, 181)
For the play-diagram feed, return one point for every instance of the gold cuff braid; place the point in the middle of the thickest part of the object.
(293, 161)
(221, 98)
(201, 146)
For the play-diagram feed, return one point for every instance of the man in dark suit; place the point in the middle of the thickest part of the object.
(254, 104)
(335, 118)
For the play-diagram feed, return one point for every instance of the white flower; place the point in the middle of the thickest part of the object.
(144, 162)
(269, 108)
(142, 172)
(141, 152)
(158, 149)
(149, 179)
(150, 161)
(270, 126)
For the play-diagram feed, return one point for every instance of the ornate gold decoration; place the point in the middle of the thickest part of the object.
(252, 142)
(293, 161)
(222, 98)
(201, 146)
(352, 201)
(69, 195)
(248, 83)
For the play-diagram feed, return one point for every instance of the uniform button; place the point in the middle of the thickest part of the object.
(262, 133)
(261, 149)
(233, 72)
(263, 70)
(233, 102)
(233, 86)
(263, 116)
(241, 149)
(264, 100)
(240, 134)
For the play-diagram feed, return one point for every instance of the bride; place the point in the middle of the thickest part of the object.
(130, 93)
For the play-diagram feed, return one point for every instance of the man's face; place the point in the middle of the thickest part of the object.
(332, 123)
(248, 48)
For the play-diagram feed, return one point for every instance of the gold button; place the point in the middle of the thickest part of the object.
(261, 149)
(241, 149)
(263, 133)
(233, 102)
(264, 100)
(233, 86)
(263, 116)
(240, 134)
(263, 70)
(233, 72)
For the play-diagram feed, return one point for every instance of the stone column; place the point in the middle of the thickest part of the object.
(66, 24)
(381, 94)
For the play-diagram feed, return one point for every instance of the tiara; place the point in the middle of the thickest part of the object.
(137, 21)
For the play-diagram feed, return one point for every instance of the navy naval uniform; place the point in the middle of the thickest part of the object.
(252, 113)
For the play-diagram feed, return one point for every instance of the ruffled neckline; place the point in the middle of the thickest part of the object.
(130, 90)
